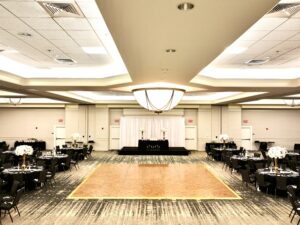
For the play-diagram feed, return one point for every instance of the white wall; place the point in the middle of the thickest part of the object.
(21, 123)
(280, 126)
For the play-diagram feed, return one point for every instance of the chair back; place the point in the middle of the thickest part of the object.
(14, 187)
(260, 179)
(18, 196)
(245, 175)
(42, 177)
(281, 182)
(235, 163)
(259, 165)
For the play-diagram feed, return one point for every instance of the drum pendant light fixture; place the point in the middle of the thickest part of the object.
(158, 100)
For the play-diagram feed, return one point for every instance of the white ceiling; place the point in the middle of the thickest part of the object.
(213, 41)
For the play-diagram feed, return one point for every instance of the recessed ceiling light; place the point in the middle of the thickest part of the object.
(185, 6)
(94, 50)
(25, 34)
(170, 50)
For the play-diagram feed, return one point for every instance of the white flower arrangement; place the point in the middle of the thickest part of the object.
(277, 152)
(76, 136)
(24, 150)
(223, 137)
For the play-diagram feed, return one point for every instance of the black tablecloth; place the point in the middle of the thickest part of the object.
(145, 145)
(27, 176)
(36, 145)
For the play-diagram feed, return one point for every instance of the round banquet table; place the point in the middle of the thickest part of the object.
(47, 159)
(217, 152)
(270, 176)
(24, 175)
(246, 160)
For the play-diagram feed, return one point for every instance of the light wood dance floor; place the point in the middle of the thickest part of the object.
(152, 181)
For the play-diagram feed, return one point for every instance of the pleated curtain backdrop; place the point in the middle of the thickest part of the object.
(131, 126)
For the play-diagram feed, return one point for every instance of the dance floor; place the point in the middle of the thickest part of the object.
(152, 181)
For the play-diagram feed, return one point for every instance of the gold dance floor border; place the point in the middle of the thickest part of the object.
(153, 181)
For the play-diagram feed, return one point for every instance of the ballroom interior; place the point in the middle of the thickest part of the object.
(149, 112)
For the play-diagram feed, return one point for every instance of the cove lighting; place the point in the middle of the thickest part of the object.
(94, 50)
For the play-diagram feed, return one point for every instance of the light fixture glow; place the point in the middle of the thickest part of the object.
(292, 102)
(95, 50)
(158, 99)
(185, 6)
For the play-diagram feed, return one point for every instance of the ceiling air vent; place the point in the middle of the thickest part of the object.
(254, 62)
(68, 61)
(61, 9)
(284, 10)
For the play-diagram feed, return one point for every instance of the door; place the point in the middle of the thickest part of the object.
(114, 140)
(247, 137)
(59, 135)
(191, 137)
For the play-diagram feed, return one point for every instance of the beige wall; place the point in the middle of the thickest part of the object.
(280, 126)
(21, 124)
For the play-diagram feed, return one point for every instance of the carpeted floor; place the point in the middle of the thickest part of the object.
(152, 181)
(50, 206)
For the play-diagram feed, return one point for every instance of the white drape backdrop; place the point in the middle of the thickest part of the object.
(130, 129)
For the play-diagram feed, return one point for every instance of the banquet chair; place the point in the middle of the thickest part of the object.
(12, 203)
(291, 191)
(66, 164)
(247, 177)
(74, 160)
(281, 184)
(260, 181)
(13, 190)
(259, 165)
(228, 163)
(90, 150)
(41, 180)
(235, 165)
(50, 175)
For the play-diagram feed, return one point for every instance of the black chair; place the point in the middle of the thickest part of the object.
(260, 181)
(74, 160)
(281, 184)
(291, 191)
(235, 165)
(247, 177)
(41, 180)
(12, 203)
(90, 151)
(66, 164)
(228, 163)
(297, 148)
(259, 165)
(50, 175)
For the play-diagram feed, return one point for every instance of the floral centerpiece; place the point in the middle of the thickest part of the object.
(276, 153)
(24, 150)
(75, 137)
(223, 138)
(163, 130)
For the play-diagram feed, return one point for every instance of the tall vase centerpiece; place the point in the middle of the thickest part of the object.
(75, 138)
(23, 150)
(276, 153)
(142, 133)
(163, 130)
(223, 138)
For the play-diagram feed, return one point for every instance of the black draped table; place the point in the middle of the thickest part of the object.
(145, 145)
(270, 175)
(248, 160)
(36, 145)
(217, 152)
(153, 147)
(54, 159)
(26, 175)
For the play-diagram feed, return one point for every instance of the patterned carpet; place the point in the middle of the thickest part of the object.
(50, 206)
